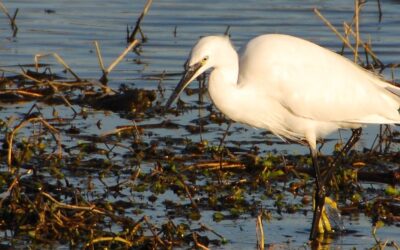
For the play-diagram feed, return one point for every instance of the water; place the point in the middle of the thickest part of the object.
(70, 27)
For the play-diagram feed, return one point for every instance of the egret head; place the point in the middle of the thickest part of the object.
(203, 56)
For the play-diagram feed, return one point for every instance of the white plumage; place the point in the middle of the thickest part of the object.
(291, 87)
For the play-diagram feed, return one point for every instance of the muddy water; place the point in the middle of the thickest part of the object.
(70, 27)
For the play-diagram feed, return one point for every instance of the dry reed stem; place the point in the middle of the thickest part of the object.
(122, 129)
(160, 83)
(13, 184)
(103, 87)
(137, 133)
(66, 66)
(99, 57)
(136, 227)
(356, 27)
(215, 166)
(123, 54)
(379, 10)
(51, 84)
(327, 23)
(107, 71)
(187, 191)
(346, 36)
(11, 18)
(377, 240)
(55, 85)
(29, 77)
(59, 59)
(23, 124)
(198, 244)
(147, 7)
(366, 47)
(103, 239)
(60, 84)
(72, 207)
(260, 233)
(146, 219)
(54, 132)
(55, 89)
(21, 92)
(139, 20)
(212, 231)
(58, 219)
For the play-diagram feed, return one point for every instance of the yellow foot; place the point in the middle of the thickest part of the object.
(330, 213)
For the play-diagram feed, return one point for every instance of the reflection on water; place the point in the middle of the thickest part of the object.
(172, 27)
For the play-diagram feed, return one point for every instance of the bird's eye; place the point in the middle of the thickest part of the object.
(204, 60)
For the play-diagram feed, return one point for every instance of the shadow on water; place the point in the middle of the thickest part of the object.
(89, 164)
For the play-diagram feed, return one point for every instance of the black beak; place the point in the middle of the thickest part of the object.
(183, 83)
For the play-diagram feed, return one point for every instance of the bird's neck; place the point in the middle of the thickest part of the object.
(222, 87)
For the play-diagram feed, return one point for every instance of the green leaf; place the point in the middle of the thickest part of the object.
(276, 173)
(392, 191)
(379, 224)
(218, 216)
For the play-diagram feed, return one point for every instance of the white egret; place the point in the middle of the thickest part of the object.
(293, 88)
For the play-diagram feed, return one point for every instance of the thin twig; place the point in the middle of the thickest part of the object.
(379, 10)
(197, 243)
(123, 129)
(260, 233)
(21, 92)
(99, 57)
(226, 33)
(216, 166)
(204, 226)
(107, 71)
(13, 184)
(146, 219)
(23, 124)
(365, 45)
(14, 25)
(59, 59)
(137, 27)
(55, 89)
(51, 84)
(356, 25)
(189, 195)
(72, 207)
(11, 18)
(54, 85)
(160, 88)
(112, 239)
(343, 39)
(123, 54)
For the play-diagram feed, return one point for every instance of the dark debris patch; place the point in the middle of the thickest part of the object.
(129, 100)
(52, 89)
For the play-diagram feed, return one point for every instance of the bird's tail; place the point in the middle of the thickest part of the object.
(393, 89)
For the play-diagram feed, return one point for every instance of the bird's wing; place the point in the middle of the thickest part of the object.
(315, 83)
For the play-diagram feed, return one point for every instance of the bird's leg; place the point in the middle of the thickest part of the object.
(319, 197)
(355, 136)
(321, 181)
